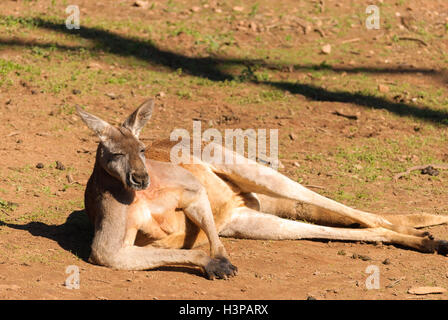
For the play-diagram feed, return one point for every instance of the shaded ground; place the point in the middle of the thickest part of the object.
(261, 67)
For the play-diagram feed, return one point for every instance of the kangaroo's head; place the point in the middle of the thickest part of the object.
(120, 152)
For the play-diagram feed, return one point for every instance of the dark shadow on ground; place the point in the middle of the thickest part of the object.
(401, 109)
(210, 68)
(75, 235)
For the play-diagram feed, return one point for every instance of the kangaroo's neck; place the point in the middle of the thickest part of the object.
(107, 184)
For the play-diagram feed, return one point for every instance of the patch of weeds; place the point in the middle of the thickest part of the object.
(215, 42)
(40, 52)
(314, 157)
(251, 73)
(273, 95)
(117, 80)
(50, 214)
(253, 10)
(46, 190)
(58, 87)
(8, 66)
(16, 22)
(7, 206)
(34, 258)
(5, 68)
(68, 109)
(72, 186)
(342, 196)
(184, 94)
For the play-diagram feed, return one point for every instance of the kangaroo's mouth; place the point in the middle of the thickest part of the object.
(137, 183)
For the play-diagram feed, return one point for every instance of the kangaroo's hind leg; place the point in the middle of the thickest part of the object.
(251, 224)
(253, 177)
(300, 211)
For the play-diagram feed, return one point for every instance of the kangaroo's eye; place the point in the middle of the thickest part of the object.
(116, 155)
(143, 150)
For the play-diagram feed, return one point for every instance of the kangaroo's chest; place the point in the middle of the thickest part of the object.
(154, 213)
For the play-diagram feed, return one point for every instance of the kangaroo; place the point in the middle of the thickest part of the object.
(148, 212)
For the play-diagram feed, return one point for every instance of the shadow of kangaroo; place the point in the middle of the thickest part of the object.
(74, 235)
(147, 211)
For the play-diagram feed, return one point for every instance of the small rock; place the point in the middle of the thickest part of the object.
(383, 88)
(195, 9)
(69, 178)
(426, 290)
(326, 49)
(111, 95)
(386, 261)
(76, 91)
(40, 165)
(141, 4)
(310, 298)
(296, 164)
(362, 257)
(238, 8)
(253, 26)
(430, 170)
(59, 165)
(161, 94)
(292, 136)
(94, 66)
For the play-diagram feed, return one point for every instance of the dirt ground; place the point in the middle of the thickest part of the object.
(233, 64)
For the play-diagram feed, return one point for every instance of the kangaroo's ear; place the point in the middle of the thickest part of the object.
(137, 120)
(100, 127)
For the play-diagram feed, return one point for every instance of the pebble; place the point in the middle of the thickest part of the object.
(383, 88)
(59, 165)
(141, 4)
(326, 49)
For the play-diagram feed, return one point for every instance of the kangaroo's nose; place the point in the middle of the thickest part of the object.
(139, 180)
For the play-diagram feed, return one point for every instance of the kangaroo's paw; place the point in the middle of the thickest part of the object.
(442, 247)
(220, 268)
